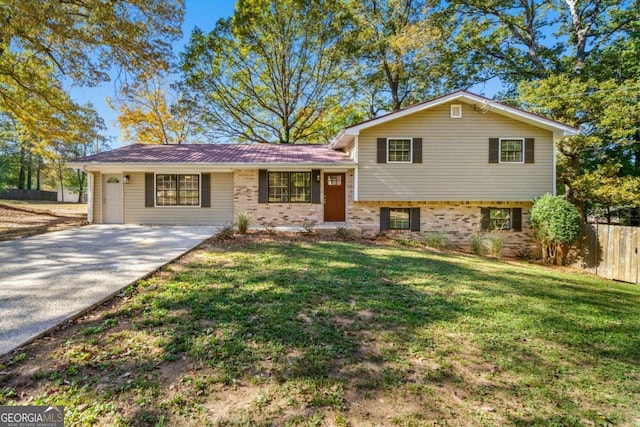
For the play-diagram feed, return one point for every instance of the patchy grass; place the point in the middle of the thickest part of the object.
(58, 208)
(24, 218)
(276, 331)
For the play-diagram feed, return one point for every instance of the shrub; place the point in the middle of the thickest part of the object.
(556, 224)
(226, 233)
(309, 227)
(243, 221)
(437, 240)
(494, 244)
(344, 233)
(477, 244)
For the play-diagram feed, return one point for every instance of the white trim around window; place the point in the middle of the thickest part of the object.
(455, 111)
(177, 175)
(522, 153)
(400, 138)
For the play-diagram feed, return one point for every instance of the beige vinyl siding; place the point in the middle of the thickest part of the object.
(350, 149)
(455, 159)
(97, 198)
(222, 197)
(220, 212)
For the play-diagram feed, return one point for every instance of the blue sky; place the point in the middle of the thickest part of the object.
(199, 13)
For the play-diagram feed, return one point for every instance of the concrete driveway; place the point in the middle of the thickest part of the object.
(47, 279)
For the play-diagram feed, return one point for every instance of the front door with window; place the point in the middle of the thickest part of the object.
(112, 199)
(334, 195)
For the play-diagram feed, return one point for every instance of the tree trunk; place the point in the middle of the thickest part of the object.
(82, 176)
(560, 254)
(29, 170)
(61, 178)
(548, 252)
(573, 171)
(634, 216)
(21, 175)
(38, 171)
(580, 32)
(394, 85)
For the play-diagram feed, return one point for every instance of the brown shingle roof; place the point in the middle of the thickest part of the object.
(220, 153)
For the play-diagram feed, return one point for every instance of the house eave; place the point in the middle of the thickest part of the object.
(343, 139)
(201, 166)
(479, 102)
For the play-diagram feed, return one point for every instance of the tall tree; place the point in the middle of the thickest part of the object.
(87, 137)
(599, 166)
(575, 61)
(400, 52)
(533, 39)
(271, 73)
(9, 153)
(152, 112)
(28, 162)
(47, 43)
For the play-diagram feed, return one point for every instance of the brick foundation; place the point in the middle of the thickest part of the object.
(458, 220)
(245, 199)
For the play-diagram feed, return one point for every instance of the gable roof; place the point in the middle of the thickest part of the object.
(348, 134)
(224, 154)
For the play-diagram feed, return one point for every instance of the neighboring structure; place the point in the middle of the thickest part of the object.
(69, 196)
(457, 164)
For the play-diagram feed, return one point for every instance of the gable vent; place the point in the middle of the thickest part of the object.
(456, 111)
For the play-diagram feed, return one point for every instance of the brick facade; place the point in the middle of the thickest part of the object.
(458, 220)
(245, 199)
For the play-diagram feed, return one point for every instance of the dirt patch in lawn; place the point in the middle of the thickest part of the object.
(24, 221)
(270, 329)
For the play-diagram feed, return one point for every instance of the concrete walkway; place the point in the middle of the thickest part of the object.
(47, 279)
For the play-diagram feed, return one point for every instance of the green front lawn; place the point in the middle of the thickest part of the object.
(270, 330)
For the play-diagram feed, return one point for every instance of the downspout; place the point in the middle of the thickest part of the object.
(355, 172)
(89, 196)
(555, 178)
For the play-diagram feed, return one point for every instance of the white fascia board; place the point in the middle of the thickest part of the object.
(555, 171)
(337, 138)
(355, 130)
(346, 135)
(356, 183)
(558, 129)
(343, 139)
(90, 196)
(201, 167)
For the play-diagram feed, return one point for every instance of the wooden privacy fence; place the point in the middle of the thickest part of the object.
(16, 194)
(611, 251)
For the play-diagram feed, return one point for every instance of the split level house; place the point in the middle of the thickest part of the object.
(458, 164)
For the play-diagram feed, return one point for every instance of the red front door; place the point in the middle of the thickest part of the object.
(334, 197)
